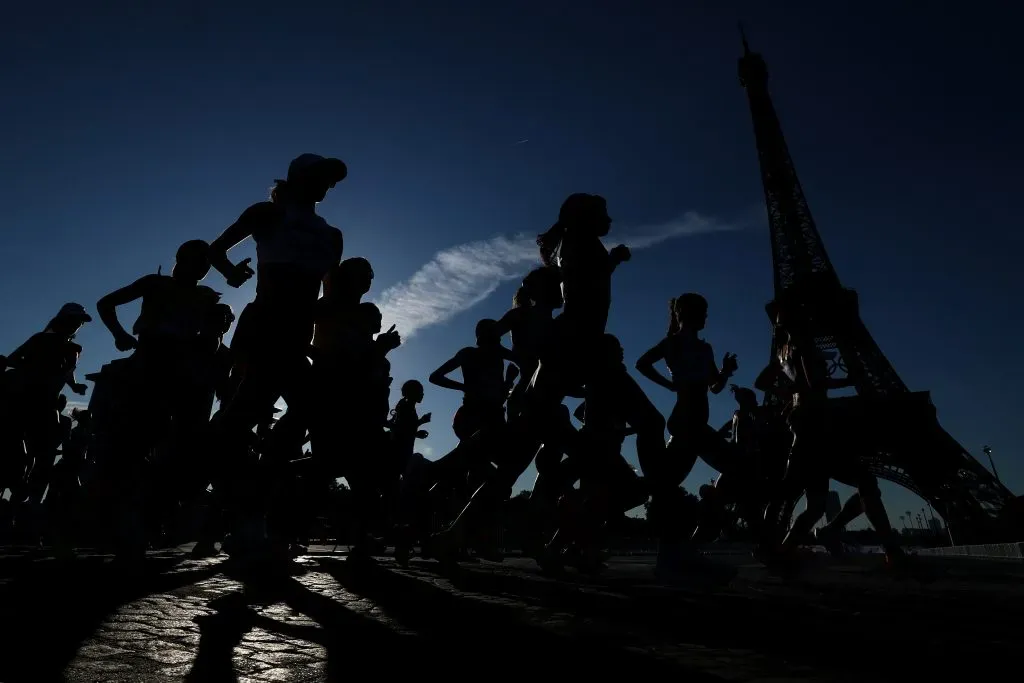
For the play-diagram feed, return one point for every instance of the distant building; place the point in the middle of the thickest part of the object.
(832, 506)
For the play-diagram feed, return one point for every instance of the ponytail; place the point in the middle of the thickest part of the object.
(279, 191)
(521, 299)
(550, 241)
(673, 316)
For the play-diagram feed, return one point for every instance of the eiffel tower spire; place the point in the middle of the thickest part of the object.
(797, 249)
(803, 273)
(893, 430)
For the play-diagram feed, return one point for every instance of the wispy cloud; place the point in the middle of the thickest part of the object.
(462, 276)
(72, 405)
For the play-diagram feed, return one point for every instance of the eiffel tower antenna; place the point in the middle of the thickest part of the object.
(897, 433)
(743, 37)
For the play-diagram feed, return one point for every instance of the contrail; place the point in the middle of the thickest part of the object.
(462, 276)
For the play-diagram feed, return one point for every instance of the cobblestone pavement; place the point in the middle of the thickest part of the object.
(183, 619)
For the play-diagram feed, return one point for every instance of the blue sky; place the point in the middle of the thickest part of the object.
(132, 128)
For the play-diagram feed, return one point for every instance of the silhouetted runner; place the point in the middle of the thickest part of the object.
(405, 425)
(484, 387)
(530, 323)
(750, 481)
(813, 460)
(38, 371)
(295, 248)
(573, 244)
(691, 362)
(168, 367)
(608, 485)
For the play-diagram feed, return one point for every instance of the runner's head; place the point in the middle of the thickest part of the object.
(413, 390)
(689, 311)
(310, 176)
(588, 212)
(581, 213)
(192, 262)
(487, 333)
(610, 353)
(69, 320)
(353, 276)
(369, 318)
(221, 319)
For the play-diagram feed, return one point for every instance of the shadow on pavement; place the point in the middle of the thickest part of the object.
(49, 607)
(354, 643)
(499, 617)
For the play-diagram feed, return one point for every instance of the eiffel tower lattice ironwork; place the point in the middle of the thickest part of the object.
(893, 429)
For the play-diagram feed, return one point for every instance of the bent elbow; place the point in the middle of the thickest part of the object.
(104, 307)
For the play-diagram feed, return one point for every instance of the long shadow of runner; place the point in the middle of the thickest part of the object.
(53, 607)
(464, 631)
(354, 643)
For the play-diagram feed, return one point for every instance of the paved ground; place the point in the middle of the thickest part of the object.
(196, 620)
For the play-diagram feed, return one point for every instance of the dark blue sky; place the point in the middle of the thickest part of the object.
(129, 129)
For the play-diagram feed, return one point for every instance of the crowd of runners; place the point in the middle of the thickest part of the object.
(151, 462)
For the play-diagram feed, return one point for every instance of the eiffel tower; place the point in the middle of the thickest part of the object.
(895, 431)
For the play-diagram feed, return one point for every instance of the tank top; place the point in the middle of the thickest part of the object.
(586, 282)
(483, 375)
(337, 332)
(529, 332)
(690, 360)
(173, 310)
(302, 239)
(42, 368)
(404, 425)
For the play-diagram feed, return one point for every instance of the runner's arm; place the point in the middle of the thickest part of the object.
(440, 377)
(106, 307)
(251, 221)
(645, 366)
(719, 378)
